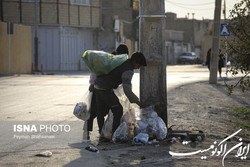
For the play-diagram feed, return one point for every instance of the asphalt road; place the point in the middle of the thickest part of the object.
(36, 110)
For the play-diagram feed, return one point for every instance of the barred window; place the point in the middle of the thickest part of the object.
(80, 2)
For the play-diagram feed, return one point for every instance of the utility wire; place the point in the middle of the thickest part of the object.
(188, 7)
(201, 4)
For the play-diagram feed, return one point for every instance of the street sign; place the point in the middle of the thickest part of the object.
(224, 30)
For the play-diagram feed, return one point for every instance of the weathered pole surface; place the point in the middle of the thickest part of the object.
(151, 41)
(215, 44)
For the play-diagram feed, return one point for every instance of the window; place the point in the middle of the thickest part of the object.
(30, 0)
(80, 2)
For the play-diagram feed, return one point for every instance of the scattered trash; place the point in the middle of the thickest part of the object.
(145, 124)
(44, 154)
(107, 127)
(149, 122)
(92, 148)
(182, 135)
(154, 141)
(121, 133)
(140, 139)
(174, 139)
(129, 118)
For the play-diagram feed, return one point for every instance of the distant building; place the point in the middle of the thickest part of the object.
(119, 24)
(66, 28)
(184, 35)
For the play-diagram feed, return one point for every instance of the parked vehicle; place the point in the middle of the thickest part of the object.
(188, 57)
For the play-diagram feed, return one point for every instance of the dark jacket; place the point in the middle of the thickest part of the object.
(114, 78)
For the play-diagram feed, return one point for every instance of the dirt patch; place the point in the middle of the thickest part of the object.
(207, 107)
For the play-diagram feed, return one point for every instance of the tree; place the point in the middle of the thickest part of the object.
(238, 48)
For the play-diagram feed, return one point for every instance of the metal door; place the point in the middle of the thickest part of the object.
(74, 41)
(48, 49)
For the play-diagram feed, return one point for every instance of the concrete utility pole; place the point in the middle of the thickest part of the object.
(151, 44)
(225, 21)
(215, 44)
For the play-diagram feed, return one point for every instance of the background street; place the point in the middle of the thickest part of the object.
(52, 97)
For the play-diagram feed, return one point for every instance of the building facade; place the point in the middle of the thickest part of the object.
(65, 29)
(185, 35)
(119, 25)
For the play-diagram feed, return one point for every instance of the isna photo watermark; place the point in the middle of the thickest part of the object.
(54, 128)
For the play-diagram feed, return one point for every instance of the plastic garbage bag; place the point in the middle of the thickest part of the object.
(143, 118)
(107, 127)
(161, 133)
(129, 118)
(140, 127)
(148, 112)
(149, 122)
(121, 133)
(100, 62)
(82, 109)
(140, 139)
(157, 128)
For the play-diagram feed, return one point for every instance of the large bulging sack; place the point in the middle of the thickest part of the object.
(100, 62)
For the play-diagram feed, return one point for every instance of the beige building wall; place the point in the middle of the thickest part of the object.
(49, 12)
(20, 49)
(95, 3)
(74, 15)
(63, 13)
(4, 49)
(95, 17)
(11, 10)
(53, 12)
(28, 13)
(85, 16)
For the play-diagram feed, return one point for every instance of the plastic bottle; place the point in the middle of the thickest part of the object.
(92, 148)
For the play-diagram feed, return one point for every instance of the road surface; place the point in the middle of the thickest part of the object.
(36, 110)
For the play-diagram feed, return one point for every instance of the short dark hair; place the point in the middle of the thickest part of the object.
(139, 58)
(122, 49)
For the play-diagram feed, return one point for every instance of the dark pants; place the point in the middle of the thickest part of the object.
(106, 100)
(93, 112)
(219, 68)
